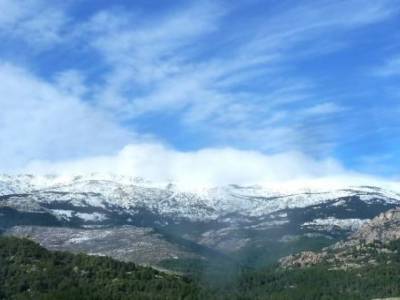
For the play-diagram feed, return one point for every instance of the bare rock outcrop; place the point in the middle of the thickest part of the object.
(372, 237)
(302, 259)
(384, 228)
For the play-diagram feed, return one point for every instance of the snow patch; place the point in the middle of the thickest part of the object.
(91, 217)
(350, 224)
(62, 213)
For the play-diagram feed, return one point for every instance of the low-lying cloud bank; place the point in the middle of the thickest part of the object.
(211, 166)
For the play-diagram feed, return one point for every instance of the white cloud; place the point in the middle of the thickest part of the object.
(212, 167)
(38, 120)
(207, 166)
(157, 66)
(71, 82)
(310, 24)
(153, 56)
(325, 108)
(34, 21)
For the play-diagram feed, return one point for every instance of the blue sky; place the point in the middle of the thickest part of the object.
(313, 80)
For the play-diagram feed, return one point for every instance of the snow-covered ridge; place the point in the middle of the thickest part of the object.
(26, 183)
(128, 193)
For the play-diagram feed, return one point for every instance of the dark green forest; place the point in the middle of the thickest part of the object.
(28, 271)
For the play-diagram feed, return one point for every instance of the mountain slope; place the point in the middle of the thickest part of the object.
(378, 239)
(236, 221)
(28, 271)
(364, 266)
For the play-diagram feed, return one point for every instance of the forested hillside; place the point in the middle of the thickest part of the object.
(320, 282)
(28, 271)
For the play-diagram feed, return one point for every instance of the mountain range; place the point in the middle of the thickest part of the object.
(168, 225)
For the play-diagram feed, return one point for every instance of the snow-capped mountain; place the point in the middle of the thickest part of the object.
(110, 192)
(224, 218)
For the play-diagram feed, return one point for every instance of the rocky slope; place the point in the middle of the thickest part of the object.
(359, 249)
(125, 243)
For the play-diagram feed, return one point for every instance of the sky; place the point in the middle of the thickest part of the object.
(214, 91)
